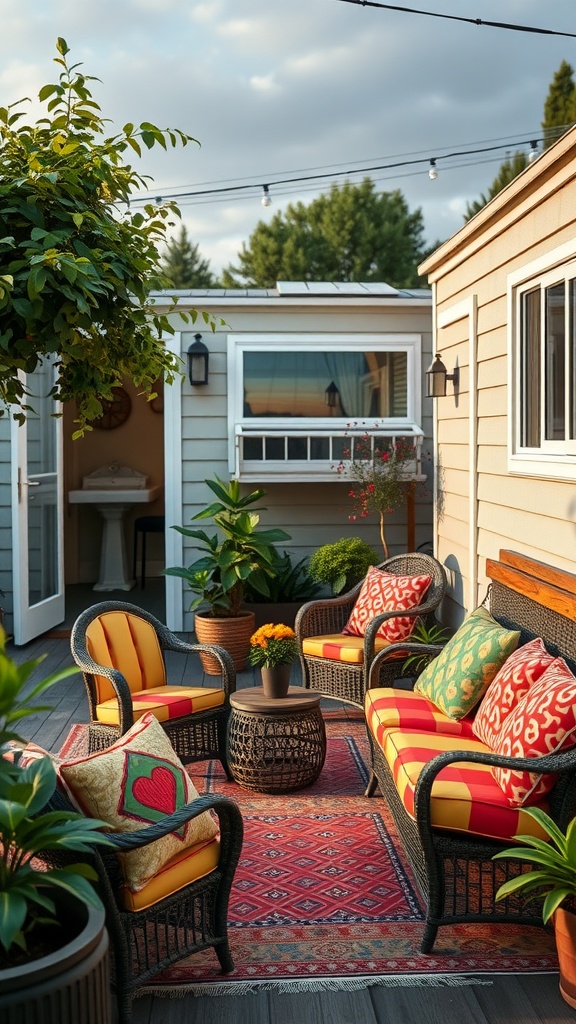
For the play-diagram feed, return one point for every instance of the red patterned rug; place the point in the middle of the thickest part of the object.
(324, 898)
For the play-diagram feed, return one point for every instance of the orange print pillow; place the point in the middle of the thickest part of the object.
(544, 722)
(510, 685)
(385, 592)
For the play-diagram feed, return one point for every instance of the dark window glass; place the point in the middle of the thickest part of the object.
(555, 363)
(530, 369)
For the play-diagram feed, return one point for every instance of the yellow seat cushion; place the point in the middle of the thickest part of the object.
(164, 702)
(465, 796)
(339, 647)
(130, 644)
(184, 868)
(388, 708)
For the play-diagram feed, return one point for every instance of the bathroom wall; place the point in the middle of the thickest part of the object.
(138, 443)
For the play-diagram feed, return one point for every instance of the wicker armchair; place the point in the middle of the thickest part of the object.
(194, 917)
(120, 649)
(347, 681)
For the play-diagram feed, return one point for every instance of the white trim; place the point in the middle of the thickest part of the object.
(173, 490)
(468, 309)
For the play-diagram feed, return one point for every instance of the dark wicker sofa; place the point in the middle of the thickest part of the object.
(454, 870)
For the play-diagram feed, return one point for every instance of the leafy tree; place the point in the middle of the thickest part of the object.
(75, 273)
(183, 265)
(509, 170)
(353, 233)
(560, 104)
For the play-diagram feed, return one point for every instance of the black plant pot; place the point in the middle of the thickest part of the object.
(68, 986)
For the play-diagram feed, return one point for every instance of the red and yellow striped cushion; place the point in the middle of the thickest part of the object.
(465, 796)
(164, 702)
(387, 708)
(184, 868)
(338, 647)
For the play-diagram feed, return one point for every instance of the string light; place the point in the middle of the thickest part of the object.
(266, 199)
(533, 154)
(433, 173)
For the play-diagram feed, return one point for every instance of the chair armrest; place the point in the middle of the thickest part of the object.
(317, 618)
(171, 642)
(123, 693)
(390, 653)
(227, 811)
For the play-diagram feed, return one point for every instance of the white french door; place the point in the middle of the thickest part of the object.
(37, 512)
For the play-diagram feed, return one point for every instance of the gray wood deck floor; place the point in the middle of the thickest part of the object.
(506, 999)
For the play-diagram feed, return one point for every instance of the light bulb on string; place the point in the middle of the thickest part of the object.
(433, 173)
(266, 199)
(533, 154)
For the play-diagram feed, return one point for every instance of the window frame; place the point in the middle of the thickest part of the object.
(552, 459)
(238, 343)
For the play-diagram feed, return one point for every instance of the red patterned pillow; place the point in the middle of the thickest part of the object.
(383, 592)
(544, 722)
(518, 673)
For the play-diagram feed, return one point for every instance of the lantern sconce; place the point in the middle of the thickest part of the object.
(436, 377)
(198, 361)
(332, 395)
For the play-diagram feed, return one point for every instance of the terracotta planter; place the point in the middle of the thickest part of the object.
(276, 680)
(233, 634)
(565, 929)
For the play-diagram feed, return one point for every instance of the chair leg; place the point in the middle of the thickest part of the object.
(143, 567)
(225, 957)
(372, 785)
(134, 553)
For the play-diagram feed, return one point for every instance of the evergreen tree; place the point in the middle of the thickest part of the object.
(183, 264)
(509, 170)
(560, 105)
(353, 233)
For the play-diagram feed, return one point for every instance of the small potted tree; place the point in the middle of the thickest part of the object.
(240, 552)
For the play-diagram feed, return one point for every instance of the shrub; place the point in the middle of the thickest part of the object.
(342, 564)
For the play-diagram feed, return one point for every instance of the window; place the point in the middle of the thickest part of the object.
(544, 435)
(292, 398)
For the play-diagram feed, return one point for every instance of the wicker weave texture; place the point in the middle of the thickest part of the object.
(276, 753)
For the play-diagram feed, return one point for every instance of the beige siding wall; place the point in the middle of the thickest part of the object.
(312, 513)
(534, 516)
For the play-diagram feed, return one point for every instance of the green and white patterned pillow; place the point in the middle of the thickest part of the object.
(457, 679)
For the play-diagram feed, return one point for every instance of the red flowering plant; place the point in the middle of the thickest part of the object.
(379, 468)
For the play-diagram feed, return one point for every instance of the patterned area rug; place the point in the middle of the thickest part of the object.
(324, 898)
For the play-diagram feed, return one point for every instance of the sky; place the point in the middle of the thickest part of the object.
(276, 89)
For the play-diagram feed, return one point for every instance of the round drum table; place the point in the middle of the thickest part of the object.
(275, 745)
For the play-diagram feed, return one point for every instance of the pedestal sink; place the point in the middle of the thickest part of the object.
(112, 503)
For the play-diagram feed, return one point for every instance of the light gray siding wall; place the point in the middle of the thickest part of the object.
(312, 513)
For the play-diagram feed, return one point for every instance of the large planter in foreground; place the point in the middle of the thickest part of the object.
(233, 634)
(565, 932)
(67, 986)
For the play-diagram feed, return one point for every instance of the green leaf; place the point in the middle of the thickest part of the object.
(12, 916)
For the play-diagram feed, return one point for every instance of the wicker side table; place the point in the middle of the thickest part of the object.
(275, 746)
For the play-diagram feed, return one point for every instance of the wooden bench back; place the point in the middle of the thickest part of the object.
(536, 598)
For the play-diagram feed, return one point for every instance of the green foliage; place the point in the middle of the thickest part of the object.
(25, 828)
(183, 265)
(353, 233)
(245, 552)
(509, 170)
(342, 564)
(290, 582)
(424, 633)
(554, 870)
(560, 104)
(76, 272)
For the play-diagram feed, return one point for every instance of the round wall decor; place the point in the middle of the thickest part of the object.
(114, 412)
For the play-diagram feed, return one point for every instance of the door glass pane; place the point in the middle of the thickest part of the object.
(42, 487)
(555, 369)
(286, 384)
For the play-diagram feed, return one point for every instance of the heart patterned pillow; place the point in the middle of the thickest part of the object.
(138, 781)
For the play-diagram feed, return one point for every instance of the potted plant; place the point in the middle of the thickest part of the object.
(274, 648)
(52, 936)
(428, 634)
(289, 588)
(342, 564)
(240, 552)
(554, 874)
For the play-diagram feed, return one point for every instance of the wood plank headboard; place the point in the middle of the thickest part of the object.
(553, 588)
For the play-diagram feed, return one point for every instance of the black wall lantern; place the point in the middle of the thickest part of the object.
(198, 361)
(332, 395)
(436, 377)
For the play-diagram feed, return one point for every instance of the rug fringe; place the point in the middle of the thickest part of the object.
(243, 988)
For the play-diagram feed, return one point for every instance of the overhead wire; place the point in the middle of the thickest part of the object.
(479, 22)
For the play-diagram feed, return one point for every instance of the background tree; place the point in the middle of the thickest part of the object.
(353, 233)
(560, 104)
(509, 170)
(75, 272)
(183, 264)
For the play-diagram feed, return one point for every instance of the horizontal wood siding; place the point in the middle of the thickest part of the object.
(533, 516)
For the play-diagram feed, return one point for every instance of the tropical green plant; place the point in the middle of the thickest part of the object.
(244, 553)
(554, 870)
(290, 582)
(78, 263)
(273, 645)
(26, 827)
(343, 563)
(424, 633)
